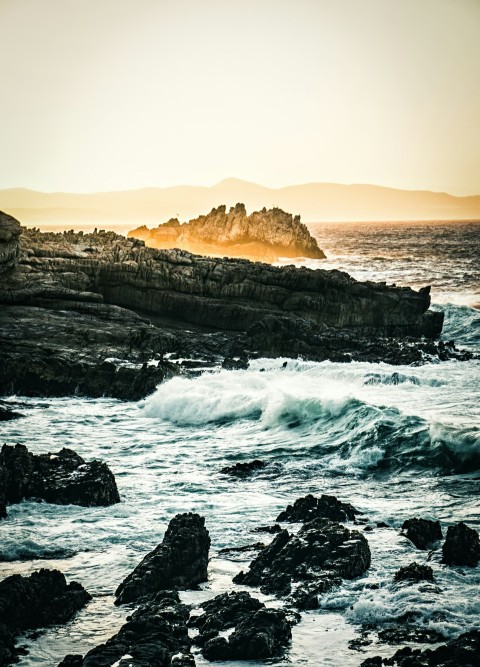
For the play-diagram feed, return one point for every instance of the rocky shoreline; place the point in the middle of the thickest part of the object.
(98, 314)
(298, 567)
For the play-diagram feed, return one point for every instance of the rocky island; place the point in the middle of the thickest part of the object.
(101, 314)
(262, 235)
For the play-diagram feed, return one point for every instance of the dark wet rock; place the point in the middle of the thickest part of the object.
(72, 660)
(272, 530)
(461, 652)
(75, 307)
(414, 572)
(325, 507)
(152, 635)
(401, 634)
(318, 557)
(256, 546)
(179, 562)
(260, 634)
(63, 478)
(382, 524)
(235, 364)
(41, 599)
(7, 414)
(223, 612)
(422, 532)
(244, 469)
(462, 546)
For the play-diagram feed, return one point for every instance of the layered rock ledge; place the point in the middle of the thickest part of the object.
(87, 313)
(265, 235)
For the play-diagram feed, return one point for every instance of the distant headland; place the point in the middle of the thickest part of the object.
(314, 202)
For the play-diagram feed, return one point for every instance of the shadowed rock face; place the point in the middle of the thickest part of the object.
(35, 601)
(74, 308)
(319, 556)
(179, 562)
(265, 235)
(225, 294)
(462, 546)
(63, 478)
(152, 635)
(9, 248)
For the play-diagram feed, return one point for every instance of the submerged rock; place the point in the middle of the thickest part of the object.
(318, 557)
(462, 546)
(461, 652)
(64, 478)
(179, 562)
(414, 572)
(244, 469)
(325, 507)
(151, 637)
(422, 532)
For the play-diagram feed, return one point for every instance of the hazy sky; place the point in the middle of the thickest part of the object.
(112, 94)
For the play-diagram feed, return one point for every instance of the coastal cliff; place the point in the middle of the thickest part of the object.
(264, 235)
(97, 313)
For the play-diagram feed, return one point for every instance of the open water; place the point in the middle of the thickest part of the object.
(396, 442)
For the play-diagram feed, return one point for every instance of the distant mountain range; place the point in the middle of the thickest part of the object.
(315, 202)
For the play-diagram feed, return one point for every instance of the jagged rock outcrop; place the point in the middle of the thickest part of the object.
(63, 478)
(312, 561)
(75, 307)
(179, 562)
(265, 235)
(35, 601)
(325, 507)
(155, 635)
(464, 651)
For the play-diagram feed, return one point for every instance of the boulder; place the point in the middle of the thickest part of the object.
(462, 546)
(7, 414)
(319, 556)
(64, 478)
(179, 562)
(414, 572)
(9, 242)
(422, 532)
(259, 632)
(325, 507)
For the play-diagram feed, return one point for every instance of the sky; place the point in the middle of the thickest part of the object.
(102, 95)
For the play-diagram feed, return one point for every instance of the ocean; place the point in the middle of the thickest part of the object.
(396, 442)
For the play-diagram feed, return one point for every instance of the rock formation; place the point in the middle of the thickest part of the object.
(422, 532)
(33, 602)
(179, 562)
(264, 235)
(63, 478)
(315, 559)
(259, 632)
(325, 507)
(151, 637)
(84, 313)
(462, 546)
